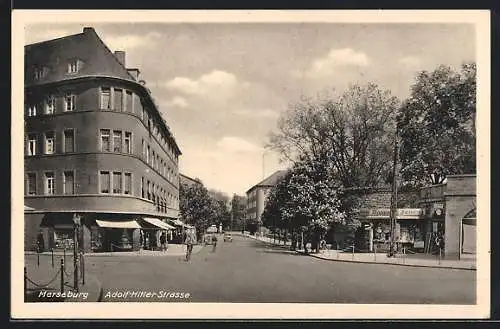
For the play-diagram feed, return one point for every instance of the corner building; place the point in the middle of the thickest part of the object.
(96, 145)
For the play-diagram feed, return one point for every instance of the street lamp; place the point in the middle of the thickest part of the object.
(77, 222)
(394, 195)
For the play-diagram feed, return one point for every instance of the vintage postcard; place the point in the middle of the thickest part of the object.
(250, 164)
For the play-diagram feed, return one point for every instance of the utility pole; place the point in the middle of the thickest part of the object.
(394, 195)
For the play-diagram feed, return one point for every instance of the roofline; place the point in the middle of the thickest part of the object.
(97, 77)
(191, 178)
(52, 40)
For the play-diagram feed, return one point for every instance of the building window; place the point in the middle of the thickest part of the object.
(118, 99)
(32, 110)
(128, 142)
(32, 144)
(117, 182)
(36, 73)
(117, 141)
(104, 181)
(31, 184)
(147, 154)
(127, 188)
(105, 98)
(154, 194)
(142, 187)
(142, 114)
(105, 147)
(50, 105)
(73, 66)
(50, 183)
(69, 182)
(153, 160)
(69, 141)
(130, 102)
(49, 142)
(143, 150)
(149, 190)
(69, 102)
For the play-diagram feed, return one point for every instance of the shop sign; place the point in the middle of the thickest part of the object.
(418, 244)
(438, 210)
(383, 213)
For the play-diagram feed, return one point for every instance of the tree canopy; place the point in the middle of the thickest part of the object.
(353, 131)
(437, 126)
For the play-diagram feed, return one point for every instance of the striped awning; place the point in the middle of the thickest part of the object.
(118, 223)
(158, 223)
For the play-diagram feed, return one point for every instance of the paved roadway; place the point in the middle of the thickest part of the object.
(251, 271)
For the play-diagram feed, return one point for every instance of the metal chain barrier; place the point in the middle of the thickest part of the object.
(43, 285)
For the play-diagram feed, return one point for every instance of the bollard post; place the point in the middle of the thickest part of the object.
(52, 255)
(374, 252)
(64, 254)
(38, 258)
(82, 268)
(25, 281)
(352, 252)
(404, 255)
(439, 260)
(62, 276)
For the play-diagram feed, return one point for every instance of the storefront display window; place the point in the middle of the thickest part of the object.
(63, 238)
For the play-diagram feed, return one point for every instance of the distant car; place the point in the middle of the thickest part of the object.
(228, 237)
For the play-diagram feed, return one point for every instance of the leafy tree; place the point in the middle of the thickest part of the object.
(305, 201)
(437, 126)
(238, 208)
(196, 206)
(352, 132)
(222, 214)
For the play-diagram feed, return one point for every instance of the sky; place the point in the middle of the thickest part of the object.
(222, 87)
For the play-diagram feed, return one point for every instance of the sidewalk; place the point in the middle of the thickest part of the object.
(173, 250)
(418, 260)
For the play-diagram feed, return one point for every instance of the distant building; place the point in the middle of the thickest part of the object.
(257, 194)
(96, 145)
(183, 179)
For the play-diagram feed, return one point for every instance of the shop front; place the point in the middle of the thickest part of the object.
(151, 231)
(409, 229)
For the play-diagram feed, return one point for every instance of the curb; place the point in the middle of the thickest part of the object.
(123, 254)
(386, 263)
(369, 262)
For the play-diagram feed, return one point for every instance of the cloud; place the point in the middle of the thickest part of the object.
(213, 84)
(237, 145)
(264, 113)
(179, 102)
(410, 61)
(335, 59)
(130, 41)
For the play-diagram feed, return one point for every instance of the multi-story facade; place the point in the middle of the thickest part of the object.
(96, 145)
(257, 195)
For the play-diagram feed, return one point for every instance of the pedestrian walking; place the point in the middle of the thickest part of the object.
(190, 241)
(441, 245)
(40, 243)
(214, 242)
(163, 241)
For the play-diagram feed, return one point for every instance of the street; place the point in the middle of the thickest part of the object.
(246, 270)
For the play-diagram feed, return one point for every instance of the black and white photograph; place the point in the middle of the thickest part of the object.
(250, 164)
